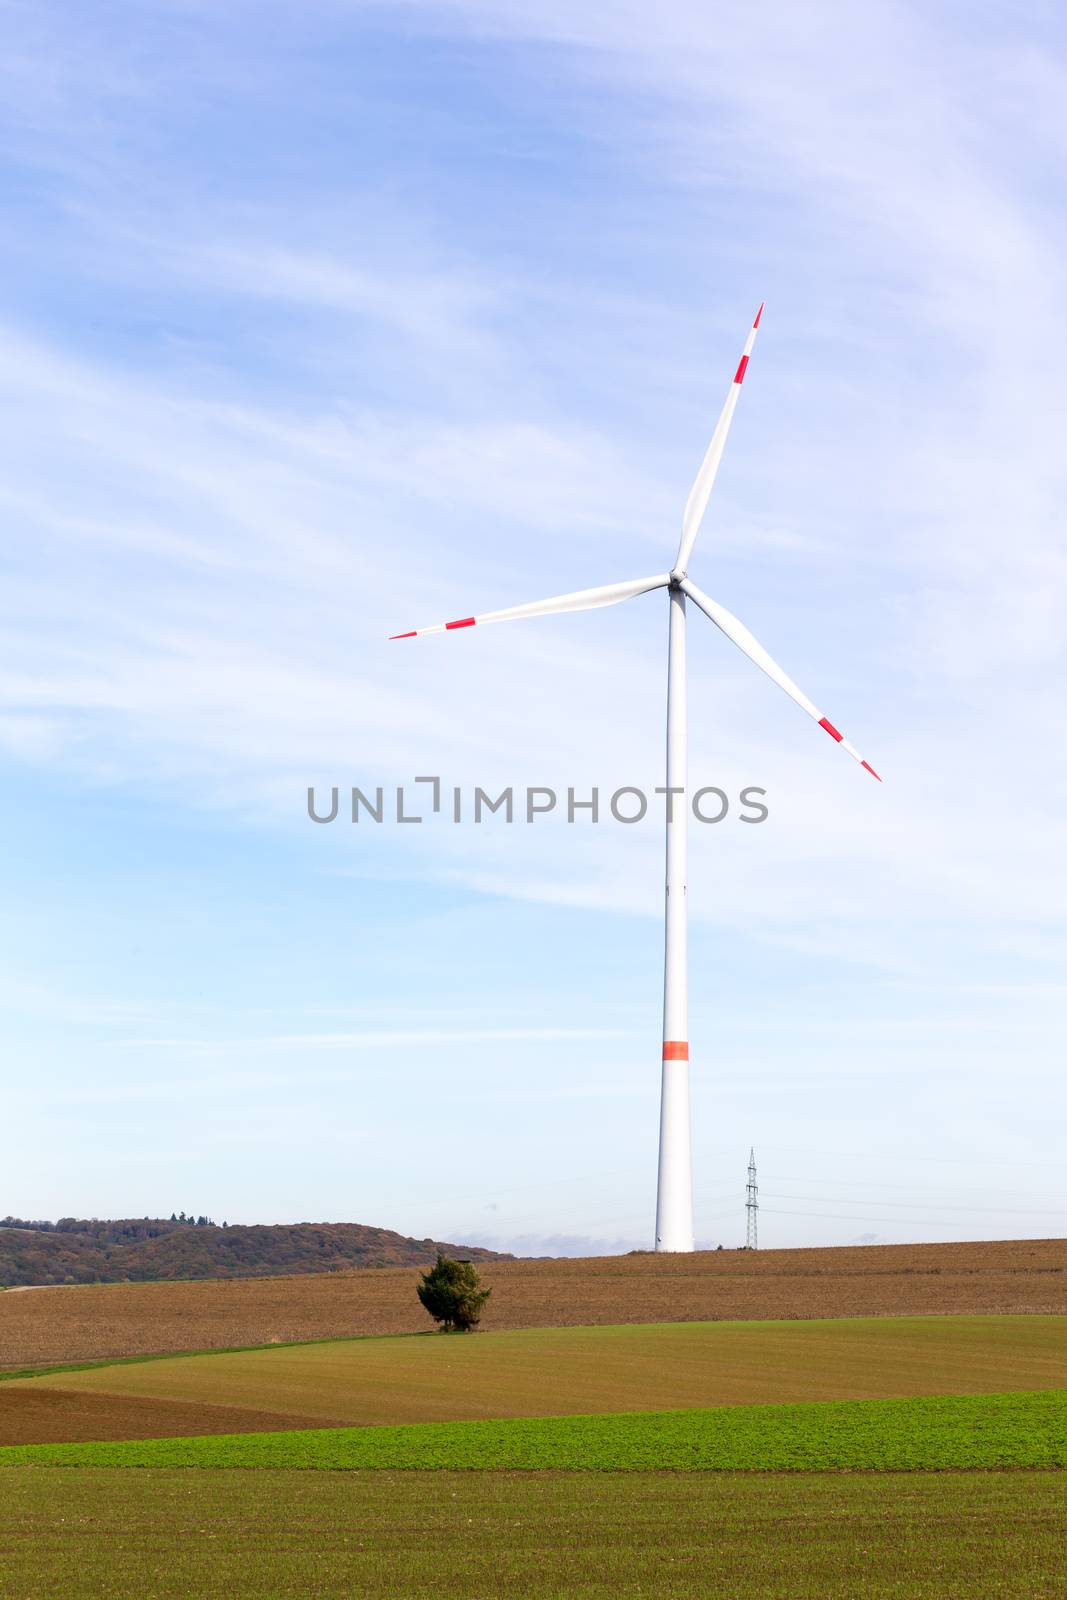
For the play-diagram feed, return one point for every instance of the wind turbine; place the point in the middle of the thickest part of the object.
(674, 1196)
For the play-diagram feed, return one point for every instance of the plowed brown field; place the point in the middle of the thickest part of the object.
(41, 1326)
(50, 1416)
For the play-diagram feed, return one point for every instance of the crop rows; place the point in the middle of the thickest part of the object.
(544, 1536)
(931, 1433)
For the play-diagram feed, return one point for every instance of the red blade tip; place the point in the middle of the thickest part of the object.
(413, 634)
(759, 314)
(870, 769)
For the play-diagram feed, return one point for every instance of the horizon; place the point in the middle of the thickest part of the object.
(701, 1247)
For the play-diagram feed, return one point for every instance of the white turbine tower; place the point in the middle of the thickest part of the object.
(674, 1198)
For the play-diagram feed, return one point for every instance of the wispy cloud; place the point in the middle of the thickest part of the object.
(286, 365)
(372, 1039)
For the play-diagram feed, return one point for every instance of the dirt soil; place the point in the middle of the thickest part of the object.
(97, 1321)
(49, 1416)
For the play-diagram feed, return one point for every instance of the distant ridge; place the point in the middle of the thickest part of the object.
(152, 1250)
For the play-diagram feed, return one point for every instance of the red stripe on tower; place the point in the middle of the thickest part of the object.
(412, 635)
(759, 314)
(739, 375)
(464, 622)
(870, 769)
(675, 1050)
(824, 722)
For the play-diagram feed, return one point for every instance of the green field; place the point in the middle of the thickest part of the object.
(988, 1431)
(793, 1461)
(551, 1371)
(170, 1535)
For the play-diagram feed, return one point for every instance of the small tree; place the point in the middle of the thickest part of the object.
(452, 1295)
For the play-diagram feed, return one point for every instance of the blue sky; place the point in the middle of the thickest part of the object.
(324, 321)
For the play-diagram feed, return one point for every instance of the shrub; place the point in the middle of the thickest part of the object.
(452, 1295)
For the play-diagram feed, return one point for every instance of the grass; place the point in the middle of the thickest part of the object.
(168, 1535)
(930, 1433)
(550, 1371)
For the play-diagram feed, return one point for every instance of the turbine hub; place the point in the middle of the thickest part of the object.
(677, 575)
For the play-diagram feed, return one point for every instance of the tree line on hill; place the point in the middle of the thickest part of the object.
(157, 1249)
(115, 1232)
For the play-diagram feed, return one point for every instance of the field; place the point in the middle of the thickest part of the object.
(621, 1428)
(540, 1372)
(165, 1535)
(85, 1323)
(987, 1431)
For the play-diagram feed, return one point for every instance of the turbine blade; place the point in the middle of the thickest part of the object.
(582, 600)
(700, 493)
(739, 635)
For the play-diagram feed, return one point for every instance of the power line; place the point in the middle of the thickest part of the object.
(1036, 1211)
(793, 1177)
(896, 1155)
(837, 1216)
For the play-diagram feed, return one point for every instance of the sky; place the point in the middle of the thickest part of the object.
(321, 322)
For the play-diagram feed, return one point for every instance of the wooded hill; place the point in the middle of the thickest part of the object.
(150, 1250)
